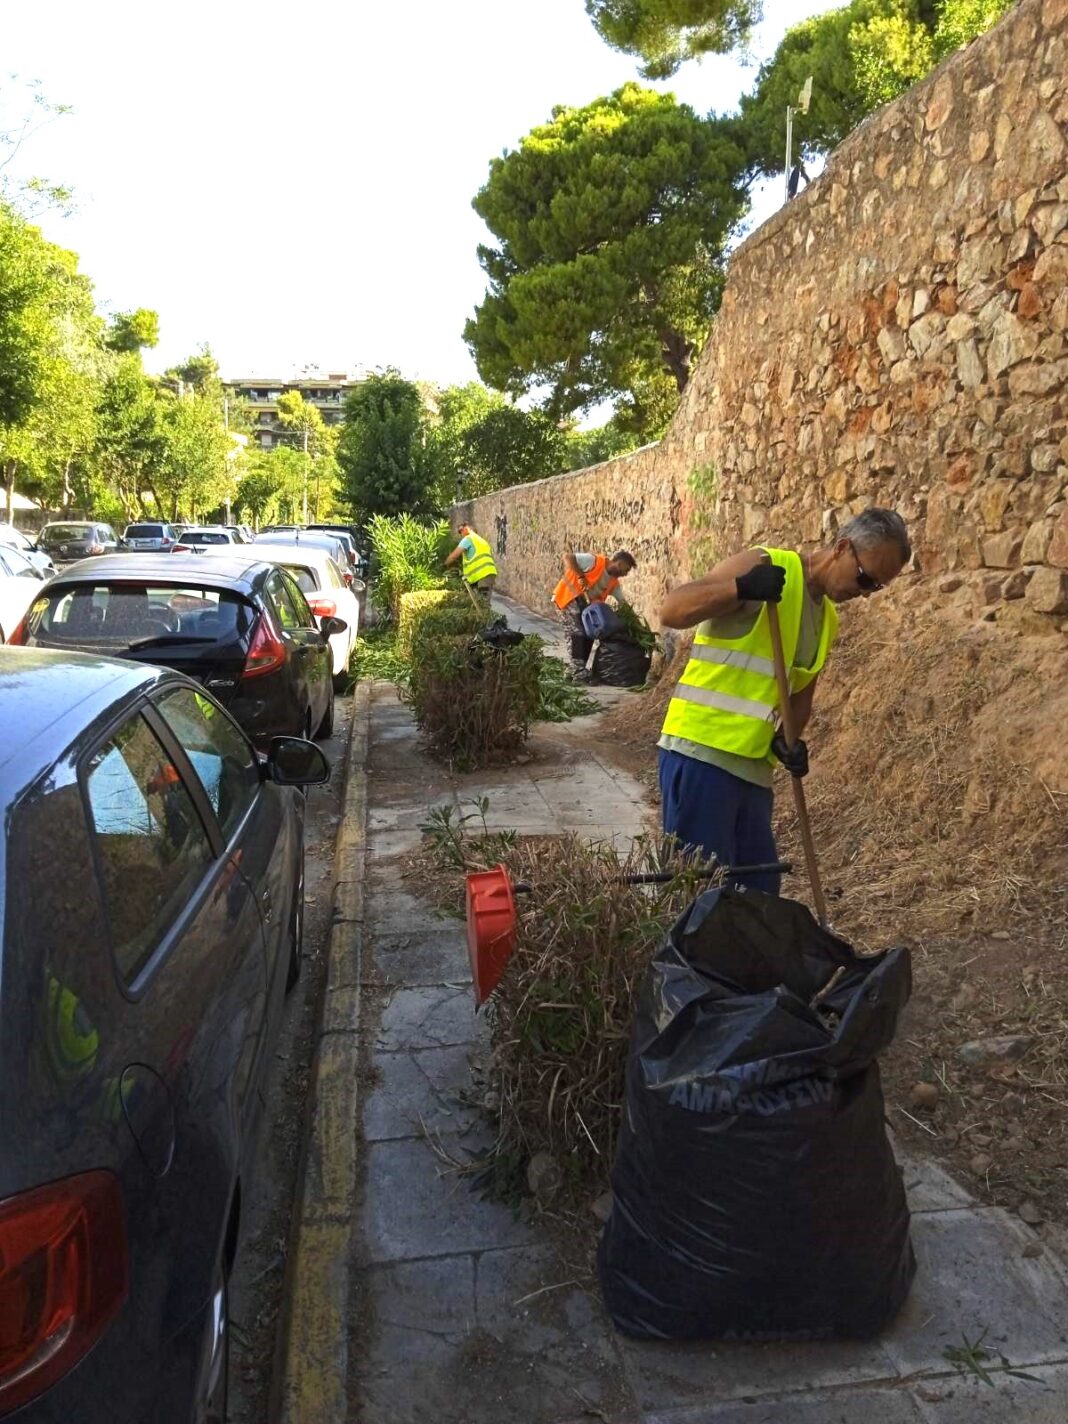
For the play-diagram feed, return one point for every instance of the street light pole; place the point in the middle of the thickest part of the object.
(305, 474)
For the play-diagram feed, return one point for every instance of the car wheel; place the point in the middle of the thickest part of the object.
(296, 932)
(213, 1383)
(326, 726)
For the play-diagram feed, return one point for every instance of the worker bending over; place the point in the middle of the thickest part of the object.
(588, 578)
(721, 735)
(479, 571)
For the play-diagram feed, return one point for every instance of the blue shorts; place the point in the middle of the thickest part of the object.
(718, 814)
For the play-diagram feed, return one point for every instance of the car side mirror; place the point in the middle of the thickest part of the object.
(294, 761)
(329, 626)
(357, 585)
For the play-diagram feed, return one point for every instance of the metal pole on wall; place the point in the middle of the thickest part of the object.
(789, 148)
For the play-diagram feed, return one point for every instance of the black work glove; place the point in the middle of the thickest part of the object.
(763, 584)
(795, 758)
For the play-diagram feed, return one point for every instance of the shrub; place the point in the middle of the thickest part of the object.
(408, 557)
(416, 607)
(474, 702)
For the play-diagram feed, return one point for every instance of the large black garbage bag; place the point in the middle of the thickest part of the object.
(755, 1194)
(620, 663)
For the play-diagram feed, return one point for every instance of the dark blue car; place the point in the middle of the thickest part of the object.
(151, 887)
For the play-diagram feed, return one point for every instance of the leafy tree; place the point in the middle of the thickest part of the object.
(383, 458)
(453, 411)
(131, 446)
(509, 446)
(590, 447)
(196, 467)
(610, 222)
(664, 33)
(131, 332)
(859, 56)
(200, 371)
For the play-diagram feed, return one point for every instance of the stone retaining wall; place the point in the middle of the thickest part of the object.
(898, 334)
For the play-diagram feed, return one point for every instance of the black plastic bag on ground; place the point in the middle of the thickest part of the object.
(755, 1193)
(620, 663)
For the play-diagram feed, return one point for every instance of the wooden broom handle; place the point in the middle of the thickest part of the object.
(789, 727)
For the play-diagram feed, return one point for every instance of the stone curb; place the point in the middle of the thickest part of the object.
(311, 1380)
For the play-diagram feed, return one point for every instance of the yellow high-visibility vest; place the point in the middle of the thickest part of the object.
(727, 697)
(479, 563)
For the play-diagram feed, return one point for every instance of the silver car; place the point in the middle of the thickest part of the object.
(150, 537)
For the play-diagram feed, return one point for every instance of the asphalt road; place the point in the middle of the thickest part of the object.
(256, 1285)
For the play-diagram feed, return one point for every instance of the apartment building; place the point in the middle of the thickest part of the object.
(260, 393)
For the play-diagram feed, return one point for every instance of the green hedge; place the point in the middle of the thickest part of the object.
(473, 702)
(448, 610)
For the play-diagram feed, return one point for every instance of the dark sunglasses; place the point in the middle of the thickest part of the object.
(865, 582)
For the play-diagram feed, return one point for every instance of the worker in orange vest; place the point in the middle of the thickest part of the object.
(588, 578)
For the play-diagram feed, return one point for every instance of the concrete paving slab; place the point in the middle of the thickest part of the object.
(430, 1089)
(387, 845)
(390, 910)
(416, 1206)
(554, 1338)
(966, 1399)
(401, 815)
(971, 1279)
(867, 1406)
(928, 1186)
(430, 1017)
(423, 1310)
(667, 1375)
(436, 956)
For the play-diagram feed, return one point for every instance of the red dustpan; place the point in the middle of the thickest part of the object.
(490, 928)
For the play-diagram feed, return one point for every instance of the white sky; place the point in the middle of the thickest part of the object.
(292, 183)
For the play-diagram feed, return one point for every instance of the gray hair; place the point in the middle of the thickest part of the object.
(878, 526)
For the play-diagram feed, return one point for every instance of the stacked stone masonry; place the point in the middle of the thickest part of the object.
(897, 334)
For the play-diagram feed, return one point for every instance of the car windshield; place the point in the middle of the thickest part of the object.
(67, 531)
(112, 615)
(205, 536)
(144, 531)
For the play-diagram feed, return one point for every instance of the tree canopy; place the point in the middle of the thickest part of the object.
(611, 222)
(860, 57)
(382, 455)
(664, 33)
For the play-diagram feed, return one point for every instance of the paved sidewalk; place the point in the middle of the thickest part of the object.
(465, 1314)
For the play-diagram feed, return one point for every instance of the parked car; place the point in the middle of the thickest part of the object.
(16, 539)
(20, 583)
(333, 545)
(241, 532)
(152, 904)
(76, 539)
(329, 592)
(242, 629)
(197, 538)
(352, 536)
(150, 537)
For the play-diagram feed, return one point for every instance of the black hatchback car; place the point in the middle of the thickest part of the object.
(151, 893)
(77, 539)
(243, 630)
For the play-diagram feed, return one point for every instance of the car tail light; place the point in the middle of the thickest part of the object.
(19, 635)
(63, 1278)
(347, 576)
(182, 549)
(267, 652)
(322, 607)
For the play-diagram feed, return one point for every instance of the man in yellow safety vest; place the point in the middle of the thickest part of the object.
(721, 735)
(479, 571)
(588, 578)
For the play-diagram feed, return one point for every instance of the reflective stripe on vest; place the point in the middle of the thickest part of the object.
(478, 564)
(597, 586)
(727, 697)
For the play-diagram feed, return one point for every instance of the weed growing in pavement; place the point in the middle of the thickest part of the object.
(450, 842)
